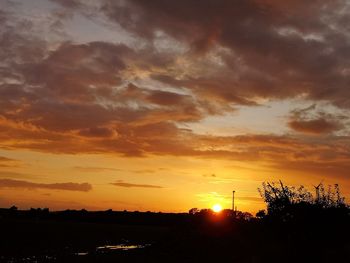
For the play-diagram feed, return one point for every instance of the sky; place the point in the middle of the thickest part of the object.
(168, 105)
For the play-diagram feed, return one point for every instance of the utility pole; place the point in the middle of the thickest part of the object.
(233, 200)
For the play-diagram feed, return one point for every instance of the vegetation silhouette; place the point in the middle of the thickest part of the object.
(297, 226)
(284, 200)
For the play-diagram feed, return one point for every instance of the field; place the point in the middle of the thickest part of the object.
(155, 237)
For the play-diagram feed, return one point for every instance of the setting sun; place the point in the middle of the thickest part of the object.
(217, 208)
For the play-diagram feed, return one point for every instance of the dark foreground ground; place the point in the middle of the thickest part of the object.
(80, 236)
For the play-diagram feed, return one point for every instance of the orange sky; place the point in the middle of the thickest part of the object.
(169, 105)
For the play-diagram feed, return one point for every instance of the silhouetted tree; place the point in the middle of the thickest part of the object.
(260, 214)
(330, 198)
(13, 208)
(243, 216)
(281, 199)
(193, 211)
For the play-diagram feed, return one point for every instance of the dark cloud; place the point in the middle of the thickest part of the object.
(101, 97)
(121, 183)
(9, 183)
(318, 126)
(166, 98)
(68, 3)
(81, 88)
(274, 50)
(313, 121)
(97, 132)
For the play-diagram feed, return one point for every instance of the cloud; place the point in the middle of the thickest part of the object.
(209, 175)
(317, 126)
(97, 132)
(310, 120)
(97, 169)
(235, 52)
(8, 162)
(68, 3)
(144, 171)
(250, 198)
(261, 46)
(16, 175)
(5, 159)
(166, 98)
(121, 183)
(71, 96)
(9, 183)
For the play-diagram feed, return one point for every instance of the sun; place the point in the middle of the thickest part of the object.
(217, 208)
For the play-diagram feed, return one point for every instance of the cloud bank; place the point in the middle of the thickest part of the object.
(121, 183)
(191, 62)
(9, 183)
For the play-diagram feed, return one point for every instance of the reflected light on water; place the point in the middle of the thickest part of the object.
(121, 247)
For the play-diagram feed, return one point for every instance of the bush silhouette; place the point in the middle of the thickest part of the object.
(288, 202)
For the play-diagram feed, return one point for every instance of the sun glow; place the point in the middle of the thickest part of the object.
(217, 208)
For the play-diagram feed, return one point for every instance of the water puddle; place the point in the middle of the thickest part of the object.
(110, 248)
(52, 257)
(121, 247)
